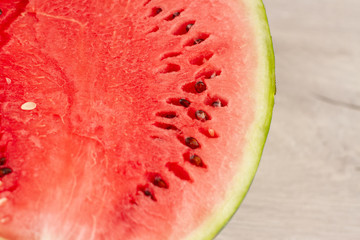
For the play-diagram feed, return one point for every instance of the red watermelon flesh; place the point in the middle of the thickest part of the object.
(141, 119)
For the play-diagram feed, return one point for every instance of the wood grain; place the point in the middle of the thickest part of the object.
(308, 183)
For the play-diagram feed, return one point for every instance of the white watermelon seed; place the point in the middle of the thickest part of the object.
(5, 219)
(3, 201)
(28, 106)
(211, 132)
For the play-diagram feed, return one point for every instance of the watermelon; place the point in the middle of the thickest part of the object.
(141, 119)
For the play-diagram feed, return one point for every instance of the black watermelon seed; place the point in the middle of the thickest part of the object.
(2, 161)
(171, 127)
(188, 27)
(192, 142)
(170, 115)
(5, 171)
(158, 10)
(147, 192)
(175, 14)
(196, 160)
(184, 102)
(200, 86)
(197, 41)
(201, 115)
(1, 12)
(159, 182)
(216, 103)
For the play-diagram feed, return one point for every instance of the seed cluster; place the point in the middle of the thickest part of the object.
(197, 87)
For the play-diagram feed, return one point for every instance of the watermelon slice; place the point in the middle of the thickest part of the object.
(141, 119)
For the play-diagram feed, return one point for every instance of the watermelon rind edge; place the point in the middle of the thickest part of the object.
(257, 134)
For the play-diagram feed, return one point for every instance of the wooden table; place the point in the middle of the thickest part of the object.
(308, 183)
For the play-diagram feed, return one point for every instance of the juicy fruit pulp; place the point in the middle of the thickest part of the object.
(129, 119)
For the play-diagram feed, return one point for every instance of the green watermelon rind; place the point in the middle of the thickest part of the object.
(258, 132)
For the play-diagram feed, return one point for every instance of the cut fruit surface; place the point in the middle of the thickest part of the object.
(140, 119)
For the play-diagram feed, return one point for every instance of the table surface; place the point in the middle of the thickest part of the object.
(308, 183)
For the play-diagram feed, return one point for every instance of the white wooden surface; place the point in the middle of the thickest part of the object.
(308, 183)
